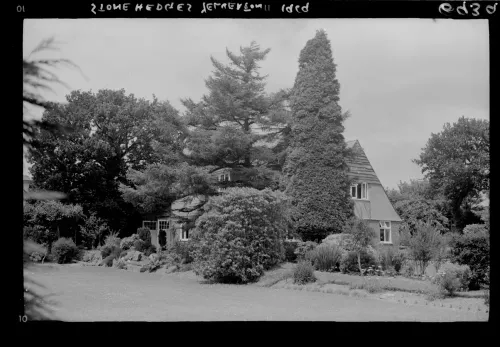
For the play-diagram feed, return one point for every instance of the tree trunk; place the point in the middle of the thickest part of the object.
(359, 264)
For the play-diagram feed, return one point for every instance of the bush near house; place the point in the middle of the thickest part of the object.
(145, 247)
(183, 249)
(349, 261)
(325, 257)
(472, 249)
(64, 251)
(240, 235)
(128, 242)
(144, 234)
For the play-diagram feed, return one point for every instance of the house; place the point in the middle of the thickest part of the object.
(370, 199)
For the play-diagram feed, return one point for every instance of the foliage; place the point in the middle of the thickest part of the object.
(49, 219)
(476, 229)
(386, 256)
(112, 240)
(371, 285)
(144, 234)
(325, 257)
(93, 229)
(419, 210)
(303, 248)
(115, 132)
(457, 162)
(223, 122)
(424, 244)
(128, 242)
(39, 234)
(398, 259)
(452, 278)
(349, 261)
(303, 273)
(183, 249)
(158, 185)
(315, 170)
(473, 249)
(109, 249)
(415, 189)
(145, 247)
(408, 269)
(64, 250)
(290, 247)
(93, 256)
(361, 237)
(240, 235)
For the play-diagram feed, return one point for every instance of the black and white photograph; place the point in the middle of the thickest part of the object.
(259, 169)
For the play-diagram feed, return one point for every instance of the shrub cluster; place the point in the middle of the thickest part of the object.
(240, 235)
(349, 261)
(128, 242)
(64, 251)
(112, 240)
(452, 278)
(184, 251)
(325, 257)
(303, 273)
(472, 249)
(145, 247)
(93, 257)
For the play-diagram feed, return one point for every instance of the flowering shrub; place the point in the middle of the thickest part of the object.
(240, 235)
(325, 257)
(303, 248)
(64, 251)
(452, 278)
(303, 273)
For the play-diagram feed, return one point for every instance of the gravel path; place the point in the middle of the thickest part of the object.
(72, 293)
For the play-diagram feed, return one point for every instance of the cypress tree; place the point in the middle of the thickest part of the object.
(315, 171)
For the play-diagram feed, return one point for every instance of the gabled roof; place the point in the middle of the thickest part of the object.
(360, 168)
(378, 205)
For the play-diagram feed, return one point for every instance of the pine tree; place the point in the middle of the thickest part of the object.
(315, 171)
(233, 121)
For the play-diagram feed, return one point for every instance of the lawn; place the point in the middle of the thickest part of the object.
(75, 293)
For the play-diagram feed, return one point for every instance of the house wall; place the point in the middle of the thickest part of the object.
(394, 234)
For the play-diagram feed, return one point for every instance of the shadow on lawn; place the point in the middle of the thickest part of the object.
(37, 306)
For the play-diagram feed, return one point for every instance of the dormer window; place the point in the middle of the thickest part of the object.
(359, 191)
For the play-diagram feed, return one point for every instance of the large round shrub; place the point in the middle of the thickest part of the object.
(303, 273)
(64, 251)
(144, 234)
(349, 261)
(128, 242)
(452, 278)
(240, 235)
(472, 249)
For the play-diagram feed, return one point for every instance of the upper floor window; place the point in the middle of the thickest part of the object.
(359, 191)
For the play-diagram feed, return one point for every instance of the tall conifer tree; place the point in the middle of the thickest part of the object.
(315, 171)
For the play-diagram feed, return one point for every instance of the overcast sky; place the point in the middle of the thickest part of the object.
(401, 79)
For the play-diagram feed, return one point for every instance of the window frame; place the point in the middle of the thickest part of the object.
(144, 222)
(385, 228)
(184, 233)
(361, 188)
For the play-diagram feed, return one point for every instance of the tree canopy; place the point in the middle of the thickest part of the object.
(235, 124)
(113, 132)
(457, 163)
(315, 171)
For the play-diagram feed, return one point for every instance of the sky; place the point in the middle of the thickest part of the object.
(401, 79)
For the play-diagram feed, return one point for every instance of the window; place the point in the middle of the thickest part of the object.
(151, 225)
(163, 224)
(184, 233)
(385, 232)
(359, 191)
(224, 177)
